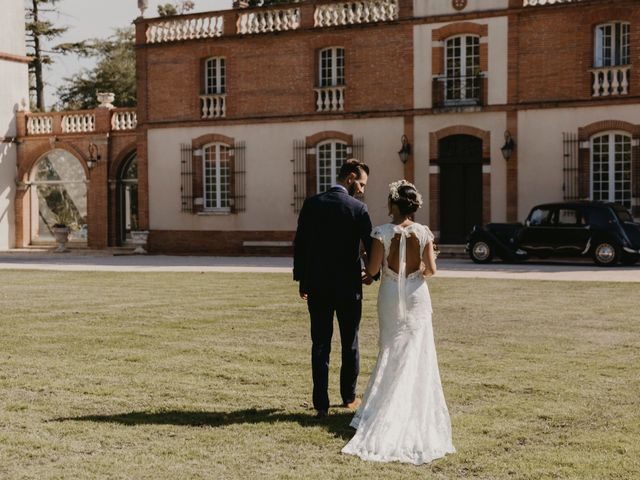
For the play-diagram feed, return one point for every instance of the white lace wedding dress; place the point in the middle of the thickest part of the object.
(403, 416)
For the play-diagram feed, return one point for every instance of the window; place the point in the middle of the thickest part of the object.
(570, 217)
(216, 177)
(540, 216)
(611, 168)
(214, 76)
(59, 196)
(462, 68)
(611, 44)
(331, 156)
(331, 67)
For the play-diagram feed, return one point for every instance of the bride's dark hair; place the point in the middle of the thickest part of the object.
(407, 199)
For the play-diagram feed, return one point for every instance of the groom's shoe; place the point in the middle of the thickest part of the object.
(322, 414)
(353, 405)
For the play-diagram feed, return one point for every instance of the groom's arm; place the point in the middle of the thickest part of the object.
(364, 229)
(300, 246)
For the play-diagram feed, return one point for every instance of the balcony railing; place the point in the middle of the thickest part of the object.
(354, 12)
(262, 20)
(535, 3)
(610, 81)
(124, 120)
(213, 106)
(39, 124)
(98, 120)
(268, 21)
(458, 91)
(330, 99)
(188, 28)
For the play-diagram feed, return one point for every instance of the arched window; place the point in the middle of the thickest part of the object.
(462, 68)
(59, 196)
(331, 67)
(215, 76)
(611, 168)
(216, 170)
(331, 155)
(611, 44)
(128, 213)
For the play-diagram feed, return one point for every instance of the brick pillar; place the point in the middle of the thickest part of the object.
(434, 198)
(512, 169)
(143, 177)
(98, 198)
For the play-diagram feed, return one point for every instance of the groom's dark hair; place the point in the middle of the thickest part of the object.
(353, 166)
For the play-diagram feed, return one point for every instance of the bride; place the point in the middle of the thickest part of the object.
(404, 416)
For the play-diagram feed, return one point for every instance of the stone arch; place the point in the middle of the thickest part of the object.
(586, 132)
(39, 152)
(483, 135)
(459, 28)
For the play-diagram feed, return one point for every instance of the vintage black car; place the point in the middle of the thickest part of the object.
(603, 231)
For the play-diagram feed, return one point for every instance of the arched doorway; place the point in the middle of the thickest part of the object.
(460, 162)
(127, 199)
(58, 196)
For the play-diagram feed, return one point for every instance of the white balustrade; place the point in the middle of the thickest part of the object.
(329, 99)
(185, 29)
(37, 125)
(124, 120)
(354, 12)
(268, 21)
(535, 3)
(213, 106)
(610, 81)
(78, 123)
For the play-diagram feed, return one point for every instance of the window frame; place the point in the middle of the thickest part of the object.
(219, 204)
(619, 30)
(626, 194)
(460, 83)
(334, 169)
(216, 84)
(337, 75)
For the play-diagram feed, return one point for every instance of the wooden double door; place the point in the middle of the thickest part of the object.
(460, 162)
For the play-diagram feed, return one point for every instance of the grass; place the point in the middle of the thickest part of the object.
(136, 375)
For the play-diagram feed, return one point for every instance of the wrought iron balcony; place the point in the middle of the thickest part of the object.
(459, 91)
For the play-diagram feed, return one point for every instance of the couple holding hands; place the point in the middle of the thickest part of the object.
(403, 415)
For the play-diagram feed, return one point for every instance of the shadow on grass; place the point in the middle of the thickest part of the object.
(336, 423)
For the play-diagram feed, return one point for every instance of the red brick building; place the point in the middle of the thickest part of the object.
(243, 113)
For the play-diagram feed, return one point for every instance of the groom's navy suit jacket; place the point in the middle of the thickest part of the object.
(327, 244)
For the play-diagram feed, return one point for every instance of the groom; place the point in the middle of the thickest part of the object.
(327, 265)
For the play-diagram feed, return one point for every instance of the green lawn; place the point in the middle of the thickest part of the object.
(178, 375)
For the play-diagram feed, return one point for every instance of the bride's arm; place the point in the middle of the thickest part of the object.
(375, 259)
(429, 260)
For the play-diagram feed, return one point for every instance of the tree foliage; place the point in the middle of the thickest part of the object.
(115, 71)
(176, 8)
(38, 29)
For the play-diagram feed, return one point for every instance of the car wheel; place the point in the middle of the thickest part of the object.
(481, 252)
(606, 254)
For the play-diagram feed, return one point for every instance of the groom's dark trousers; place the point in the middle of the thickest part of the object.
(331, 226)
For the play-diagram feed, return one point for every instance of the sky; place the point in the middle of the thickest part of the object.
(97, 19)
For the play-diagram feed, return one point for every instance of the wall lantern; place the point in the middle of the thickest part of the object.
(509, 144)
(405, 151)
(92, 161)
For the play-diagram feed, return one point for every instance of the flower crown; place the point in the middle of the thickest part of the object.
(394, 192)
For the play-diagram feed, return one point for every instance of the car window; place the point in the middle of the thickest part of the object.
(600, 217)
(539, 216)
(622, 214)
(569, 216)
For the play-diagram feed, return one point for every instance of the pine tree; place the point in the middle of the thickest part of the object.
(39, 29)
(115, 72)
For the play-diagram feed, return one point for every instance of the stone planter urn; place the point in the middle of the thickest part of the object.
(61, 234)
(139, 238)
